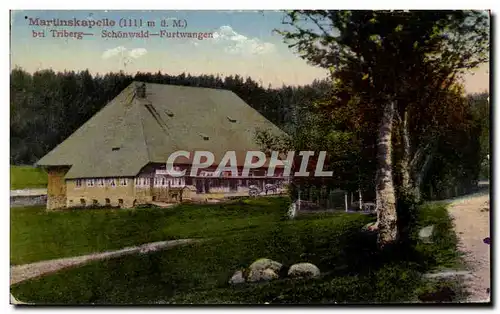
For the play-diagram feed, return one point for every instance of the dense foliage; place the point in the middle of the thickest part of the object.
(395, 74)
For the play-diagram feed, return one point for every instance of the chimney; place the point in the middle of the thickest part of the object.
(140, 90)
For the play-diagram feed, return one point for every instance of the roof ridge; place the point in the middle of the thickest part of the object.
(186, 86)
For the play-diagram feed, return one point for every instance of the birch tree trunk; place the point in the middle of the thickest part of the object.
(419, 177)
(386, 198)
(406, 182)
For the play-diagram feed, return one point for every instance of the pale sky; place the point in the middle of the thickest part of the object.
(243, 43)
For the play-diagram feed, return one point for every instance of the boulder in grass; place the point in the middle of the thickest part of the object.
(237, 278)
(257, 275)
(265, 263)
(304, 270)
(425, 234)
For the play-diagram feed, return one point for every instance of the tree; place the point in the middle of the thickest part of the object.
(373, 57)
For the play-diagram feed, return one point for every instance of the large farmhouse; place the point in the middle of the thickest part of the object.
(118, 157)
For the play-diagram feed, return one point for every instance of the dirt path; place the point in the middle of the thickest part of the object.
(28, 192)
(20, 273)
(472, 225)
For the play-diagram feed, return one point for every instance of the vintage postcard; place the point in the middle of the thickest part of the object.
(249, 157)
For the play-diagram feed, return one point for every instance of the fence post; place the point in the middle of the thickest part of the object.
(360, 200)
(298, 203)
(345, 196)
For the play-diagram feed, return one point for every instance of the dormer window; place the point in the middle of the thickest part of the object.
(204, 136)
(115, 149)
(169, 113)
(231, 119)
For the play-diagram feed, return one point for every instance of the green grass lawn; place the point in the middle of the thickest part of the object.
(25, 177)
(241, 233)
(40, 235)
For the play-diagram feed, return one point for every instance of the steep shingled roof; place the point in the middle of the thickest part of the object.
(130, 131)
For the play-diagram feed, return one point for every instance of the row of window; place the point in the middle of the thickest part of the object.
(102, 182)
(142, 181)
(138, 182)
(158, 182)
(169, 181)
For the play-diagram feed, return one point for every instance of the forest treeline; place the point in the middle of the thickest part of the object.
(47, 106)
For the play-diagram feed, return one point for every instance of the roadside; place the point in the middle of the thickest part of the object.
(24, 272)
(29, 192)
(472, 219)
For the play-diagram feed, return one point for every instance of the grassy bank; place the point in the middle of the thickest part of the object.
(40, 235)
(26, 177)
(354, 271)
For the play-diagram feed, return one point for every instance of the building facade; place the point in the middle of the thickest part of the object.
(155, 185)
(118, 157)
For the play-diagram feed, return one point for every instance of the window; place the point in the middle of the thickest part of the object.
(120, 202)
(95, 202)
(82, 201)
(100, 182)
(123, 182)
(143, 181)
(78, 183)
(108, 202)
(112, 182)
(163, 182)
(91, 182)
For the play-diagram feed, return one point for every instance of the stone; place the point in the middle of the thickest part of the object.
(265, 263)
(267, 274)
(237, 278)
(425, 234)
(449, 273)
(304, 270)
